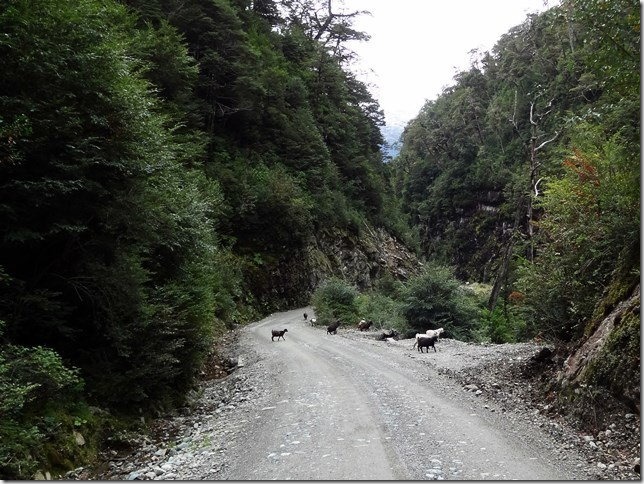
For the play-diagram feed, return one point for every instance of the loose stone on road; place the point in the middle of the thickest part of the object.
(318, 406)
(357, 413)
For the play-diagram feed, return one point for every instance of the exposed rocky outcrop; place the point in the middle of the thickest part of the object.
(362, 260)
(579, 363)
(601, 374)
(289, 279)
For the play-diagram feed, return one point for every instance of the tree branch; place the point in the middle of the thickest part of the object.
(324, 27)
(547, 141)
(536, 187)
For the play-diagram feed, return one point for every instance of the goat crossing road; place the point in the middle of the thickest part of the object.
(352, 409)
(279, 334)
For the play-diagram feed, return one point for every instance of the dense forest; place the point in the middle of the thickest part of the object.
(525, 173)
(162, 163)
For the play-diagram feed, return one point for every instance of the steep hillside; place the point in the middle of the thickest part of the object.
(526, 174)
(173, 169)
(359, 259)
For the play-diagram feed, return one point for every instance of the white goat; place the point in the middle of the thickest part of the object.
(435, 332)
(430, 333)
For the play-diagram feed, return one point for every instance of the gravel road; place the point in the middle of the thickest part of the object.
(327, 407)
(349, 408)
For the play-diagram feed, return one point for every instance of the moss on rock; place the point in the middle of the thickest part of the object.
(617, 368)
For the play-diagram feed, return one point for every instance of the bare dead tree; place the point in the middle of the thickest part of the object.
(501, 278)
(325, 24)
(535, 164)
(535, 143)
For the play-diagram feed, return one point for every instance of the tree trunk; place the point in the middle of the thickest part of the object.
(501, 278)
(533, 184)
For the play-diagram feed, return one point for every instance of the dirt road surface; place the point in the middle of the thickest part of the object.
(345, 408)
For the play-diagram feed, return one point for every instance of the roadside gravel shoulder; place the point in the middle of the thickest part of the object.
(505, 379)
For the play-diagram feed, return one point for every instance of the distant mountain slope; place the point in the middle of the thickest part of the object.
(391, 135)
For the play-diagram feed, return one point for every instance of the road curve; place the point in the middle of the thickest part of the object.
(342, 409)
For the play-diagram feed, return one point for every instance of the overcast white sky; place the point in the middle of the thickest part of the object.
(417, 46)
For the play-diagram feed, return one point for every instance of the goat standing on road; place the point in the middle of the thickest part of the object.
(435, 332)
(426, 342)
(279, 334)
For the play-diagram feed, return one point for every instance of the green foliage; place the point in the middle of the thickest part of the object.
(276, 211)
(293, 139)
(388, 285)
(591, 213)
(611, 33)
(336, 300)
(16, 449)
(31, 380)
(165, 156)
(500, 326)
(105, 189)
(436, 299)
(169, 157)
(384, 311)
(480, 172)
(463, 167)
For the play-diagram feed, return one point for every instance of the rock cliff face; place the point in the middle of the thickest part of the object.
(602, 373)
(289, 279)
(361, 261)
(579, 363)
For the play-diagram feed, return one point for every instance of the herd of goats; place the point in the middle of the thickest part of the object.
(423, 340)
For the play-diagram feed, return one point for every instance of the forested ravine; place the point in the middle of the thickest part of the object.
(171, 170)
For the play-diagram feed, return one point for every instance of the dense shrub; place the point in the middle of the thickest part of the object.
(590, 221)
(33, 382)
(336, 300)
(436, 299)
(384, 311)
(107, 222)
(499, 326)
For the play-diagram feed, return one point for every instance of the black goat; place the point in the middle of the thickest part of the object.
(333, 328)
(426, 342)
(279, 334)
(305, 316)
(392, 333)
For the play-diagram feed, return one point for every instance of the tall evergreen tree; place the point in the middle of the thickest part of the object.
(104, 233)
